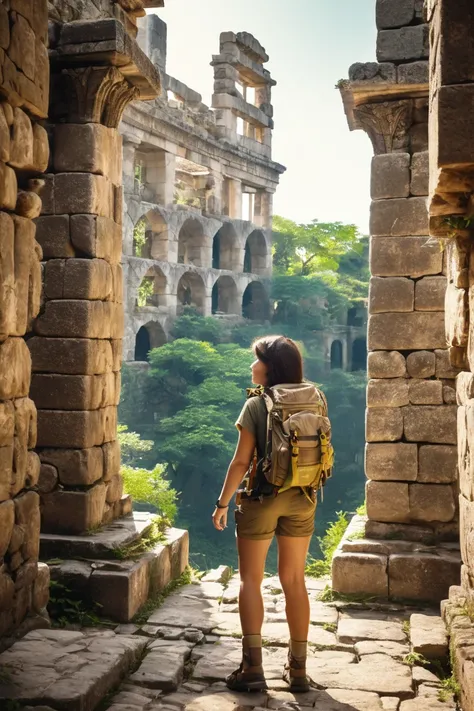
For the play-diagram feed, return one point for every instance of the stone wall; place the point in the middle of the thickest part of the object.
(411, 491)
(451, 213)
(24, 94)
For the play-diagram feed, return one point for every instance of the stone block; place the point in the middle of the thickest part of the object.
(83, 193)
(391, 294)
(383, 424)
(428, 636)
(425, 392)
(6, 467)
(27, 254)
(456, 48)
(69, 318)
(449, 394)
(7, 520)
(178, 541)
(404, 256)
(73, 356)
(430, 293)
(418, 135)
(391, 14)
(160, 569)
(421, 576)
(114, 489)
(25, 421)
(15, 369)
(22, 142)
(409, 331)
(419, 184)
(73, 511)
(111, 459)
(457, 262)
(33, 466)
(457, 316)
(52, 233)
(387, 364)
(7, 281)
(437, 425)
(73, 392)
(452, 134)
(90, 279)
(22, 45)
(75, 467)
(391, 462)
(404, 44)
(360, 574)
(465, 387)
(444, 368)
(27, 515)
(431, 502)
(8, 187)
(88, 148)
(399, 217)
(390, 176)
(414, 73)
(7, 423)
(48, 479)
(421, 364)
(121, 592)
(99, 237)
(4, 28)
(387, 393)
(41, 588)
(40, 148)
(387, 501)
(77, 429)
(117, 350)
(4, 127)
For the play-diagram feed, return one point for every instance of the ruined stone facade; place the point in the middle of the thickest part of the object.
(412, 527)
(198, 189)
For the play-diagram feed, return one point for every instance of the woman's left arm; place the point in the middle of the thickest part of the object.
(236, 472)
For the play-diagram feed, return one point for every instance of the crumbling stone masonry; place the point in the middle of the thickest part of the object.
(409, 549)
(24, 150)
(451, 215)
(198, 189)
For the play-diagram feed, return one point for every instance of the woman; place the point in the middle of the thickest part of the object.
(289, 516)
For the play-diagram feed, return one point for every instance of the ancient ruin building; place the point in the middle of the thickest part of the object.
(198, 191)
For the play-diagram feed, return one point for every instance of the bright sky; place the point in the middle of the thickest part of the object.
(311, 44)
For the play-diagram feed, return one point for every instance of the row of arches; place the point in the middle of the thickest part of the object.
(358, 355)
(228, 250)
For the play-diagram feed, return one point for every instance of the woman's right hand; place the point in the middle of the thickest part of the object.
(219, 518)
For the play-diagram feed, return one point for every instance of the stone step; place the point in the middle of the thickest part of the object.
(121, 587)
(64, 669)
(102, 543)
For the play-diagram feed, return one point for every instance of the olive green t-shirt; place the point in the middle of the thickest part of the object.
(253, 418)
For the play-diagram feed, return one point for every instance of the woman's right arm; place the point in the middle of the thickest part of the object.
(235, 473)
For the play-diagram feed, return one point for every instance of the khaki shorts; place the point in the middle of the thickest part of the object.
(288, 514)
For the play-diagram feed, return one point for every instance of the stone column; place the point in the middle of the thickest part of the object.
(77, 346)
(411, 437)
(451, 222)
(161, 176)
(24, 151)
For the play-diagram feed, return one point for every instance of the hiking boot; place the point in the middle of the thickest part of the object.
(249, 676)
(294, 672)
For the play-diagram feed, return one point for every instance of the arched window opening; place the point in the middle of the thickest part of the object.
(152, 290)
(255, 260)
(336, 355)
(225, 299)
(224, 248)
(359, 354)
(150, 237)
(255, 303)
(148, 337)
(216, 252)
(191, 292)
(191, 243)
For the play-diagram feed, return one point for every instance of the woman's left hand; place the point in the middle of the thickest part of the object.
(219, 518)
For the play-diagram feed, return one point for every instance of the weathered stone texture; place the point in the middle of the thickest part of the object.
(398, 218)
(392, 294)
(421, 364)
(401, 45)
(391, 462)
(408, 331)
(430, 294)
(404, 256)
(390, 176)
(387, 364)
(430, 424)
(383, 424)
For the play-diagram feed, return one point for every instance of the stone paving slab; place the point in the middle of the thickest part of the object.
(393, 649)
(187, 612)
(352, 630)
(66, 670)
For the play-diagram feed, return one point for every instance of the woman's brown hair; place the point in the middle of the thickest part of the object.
(282, 357)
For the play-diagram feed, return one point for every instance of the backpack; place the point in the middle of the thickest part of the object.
(298, 451)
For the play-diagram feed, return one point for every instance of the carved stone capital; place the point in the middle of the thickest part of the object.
(387, 123)
(94, 95)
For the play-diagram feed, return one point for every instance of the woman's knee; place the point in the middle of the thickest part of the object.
(292, 579)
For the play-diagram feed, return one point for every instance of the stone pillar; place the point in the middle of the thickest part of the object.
(234, 199)
(451, 222)
(263, 208)
(130, 145)
(24, 151)
(76, 349)
(161, 176)
(411, 437)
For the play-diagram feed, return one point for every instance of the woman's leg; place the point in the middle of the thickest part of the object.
(252, 557)
(292, 554)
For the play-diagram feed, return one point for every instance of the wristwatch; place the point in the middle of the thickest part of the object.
(219, 505)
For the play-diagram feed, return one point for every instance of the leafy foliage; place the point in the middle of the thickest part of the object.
(328, 544)
(139, 236)
(145, 291)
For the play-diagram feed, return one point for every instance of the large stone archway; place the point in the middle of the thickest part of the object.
(192, 243)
